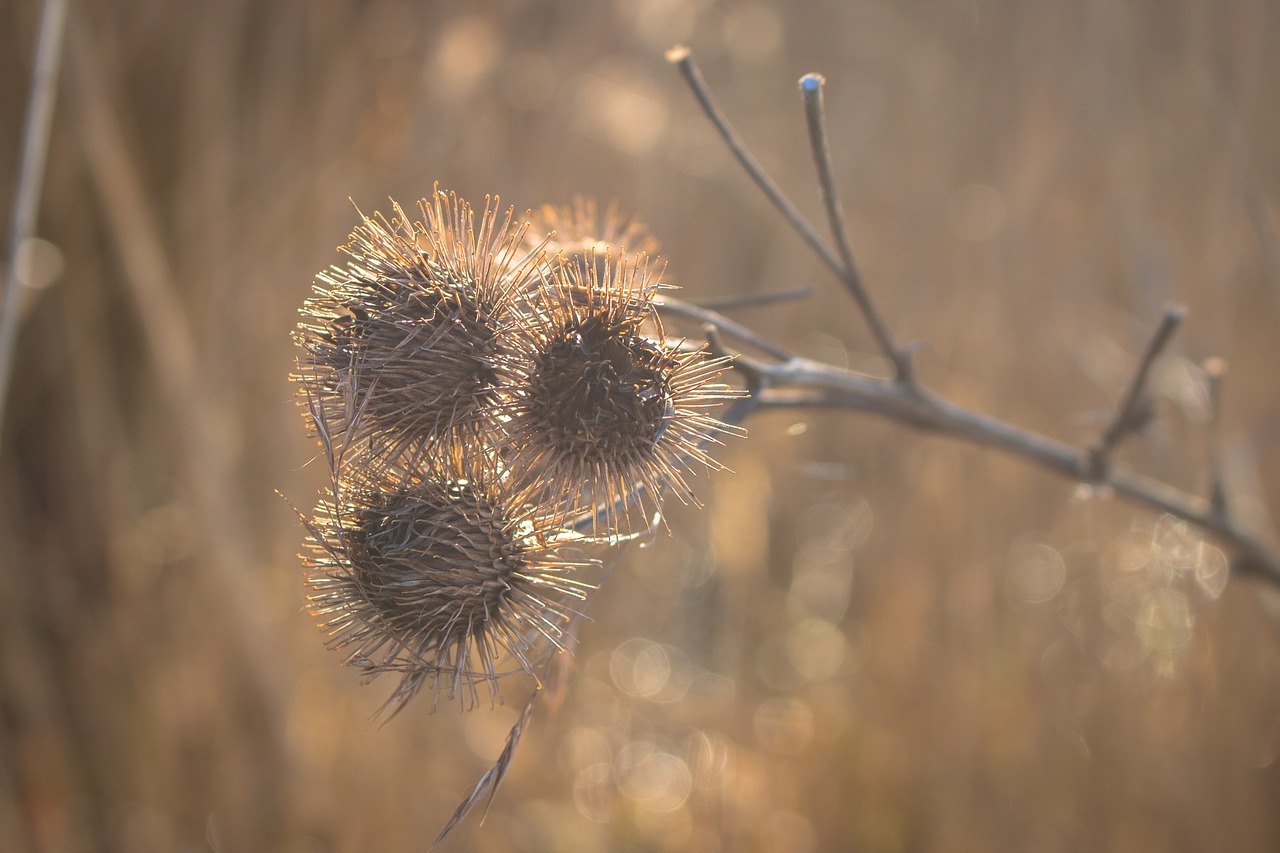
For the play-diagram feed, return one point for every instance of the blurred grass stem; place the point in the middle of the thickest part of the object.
(35, 145)
(193, 404)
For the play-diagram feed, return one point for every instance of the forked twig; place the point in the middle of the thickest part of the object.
(794, 382)
(841, 265)
(1134, 409)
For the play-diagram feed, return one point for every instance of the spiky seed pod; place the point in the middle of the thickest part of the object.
(443, 576)
(404, 347)
(580, 233)
(607, 413)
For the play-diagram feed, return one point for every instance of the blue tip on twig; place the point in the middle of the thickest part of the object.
(811, 82)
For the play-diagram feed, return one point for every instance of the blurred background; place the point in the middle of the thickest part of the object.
(869, 639)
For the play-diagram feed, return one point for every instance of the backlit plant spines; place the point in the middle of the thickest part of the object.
(405, 347)
(474, 398)
(608, 414)
(443, 576)
(582, 233)
(494, 401)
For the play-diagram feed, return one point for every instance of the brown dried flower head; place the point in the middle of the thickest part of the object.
(404, 347)
(443, 576)
(580, 233)
(607, 413)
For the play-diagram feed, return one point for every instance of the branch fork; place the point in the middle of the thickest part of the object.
(781, 379)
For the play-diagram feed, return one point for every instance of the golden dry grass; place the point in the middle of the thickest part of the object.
(869, 639)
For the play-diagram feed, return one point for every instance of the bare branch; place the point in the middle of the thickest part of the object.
(801, 383)
(794, 382)
(35, 145)
(815, 118)
(1134, 408)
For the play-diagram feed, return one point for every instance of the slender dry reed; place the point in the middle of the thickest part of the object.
(26, 203)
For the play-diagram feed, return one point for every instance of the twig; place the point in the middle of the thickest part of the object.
(1133, 410)
(815, 118)
(35, 145)
(756, 300)
(704, 315)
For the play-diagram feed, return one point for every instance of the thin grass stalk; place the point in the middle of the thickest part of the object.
(35, 147)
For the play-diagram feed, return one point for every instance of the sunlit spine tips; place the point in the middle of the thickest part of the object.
(607, 414)
(406, 346)
(442, 576)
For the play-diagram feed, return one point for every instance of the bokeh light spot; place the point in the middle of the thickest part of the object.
(1212, 570)
(659, 780)
(640, 668)
(1036, 573)
(816, 648)
(784, 725)
(593, 792)
(1175, 543)
(1166, 620)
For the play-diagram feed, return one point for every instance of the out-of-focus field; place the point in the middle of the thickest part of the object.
(869, 639)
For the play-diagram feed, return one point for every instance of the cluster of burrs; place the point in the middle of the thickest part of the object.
(494, 400)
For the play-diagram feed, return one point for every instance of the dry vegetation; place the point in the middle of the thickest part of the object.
(870, 639)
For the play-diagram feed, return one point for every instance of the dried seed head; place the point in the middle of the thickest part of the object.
(607, 413)
(404, 347)
(582, 235)
(443, 577)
